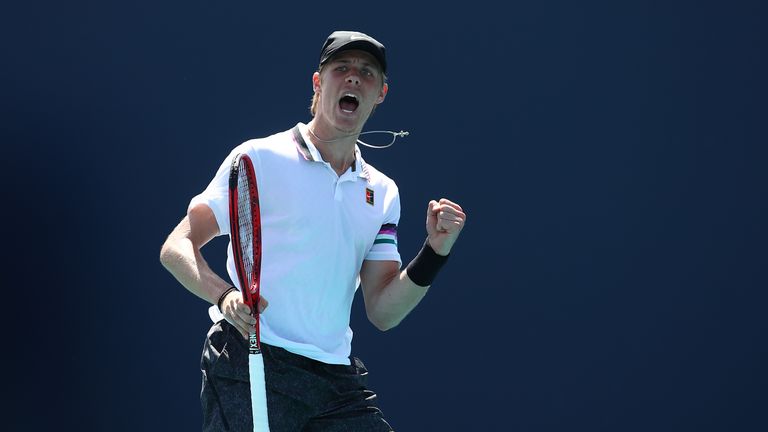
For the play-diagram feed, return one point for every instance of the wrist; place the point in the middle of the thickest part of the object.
(425, 266)
(223, 296)
(444, 251)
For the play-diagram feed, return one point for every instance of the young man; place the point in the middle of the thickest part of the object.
(329, 223)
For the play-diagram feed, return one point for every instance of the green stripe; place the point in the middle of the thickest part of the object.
(384, 240)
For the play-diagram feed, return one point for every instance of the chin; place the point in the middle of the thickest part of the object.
(349, 125)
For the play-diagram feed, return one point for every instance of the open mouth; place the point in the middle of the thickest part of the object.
(349, 103)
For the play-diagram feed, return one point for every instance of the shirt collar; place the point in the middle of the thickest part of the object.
(310, 153)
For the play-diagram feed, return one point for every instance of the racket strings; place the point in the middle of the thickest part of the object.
(245, 222)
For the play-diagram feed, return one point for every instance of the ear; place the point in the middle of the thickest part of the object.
(383, 93)
(316, 82)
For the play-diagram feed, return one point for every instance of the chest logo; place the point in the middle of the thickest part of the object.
(369, 196)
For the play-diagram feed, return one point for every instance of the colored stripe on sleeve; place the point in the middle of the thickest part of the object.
(387, 234)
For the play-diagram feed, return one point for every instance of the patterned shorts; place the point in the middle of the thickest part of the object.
(303, 395)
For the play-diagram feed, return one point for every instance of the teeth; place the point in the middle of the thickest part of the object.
(352, 96)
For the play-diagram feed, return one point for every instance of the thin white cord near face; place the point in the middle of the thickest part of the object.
(395, 135)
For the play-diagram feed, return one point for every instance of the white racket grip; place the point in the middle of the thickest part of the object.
(258, 393)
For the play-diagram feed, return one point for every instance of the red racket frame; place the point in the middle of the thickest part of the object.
(250, 288)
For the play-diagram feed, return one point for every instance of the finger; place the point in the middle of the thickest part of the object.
(451, 209)
(450, 222)
(246, 325)
(447, 208)
(238, 323)
(450, 216)
(449, 226)
(431, 216)
(449, 203)
(243, 308)
(432, 208)
(246, 317)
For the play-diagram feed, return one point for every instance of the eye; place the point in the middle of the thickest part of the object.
(368, 72)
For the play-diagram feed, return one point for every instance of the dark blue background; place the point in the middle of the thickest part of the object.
(611, 158)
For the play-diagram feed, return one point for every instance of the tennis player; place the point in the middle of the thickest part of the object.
(329, 224)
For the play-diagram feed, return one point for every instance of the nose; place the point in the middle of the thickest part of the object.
(353, 78)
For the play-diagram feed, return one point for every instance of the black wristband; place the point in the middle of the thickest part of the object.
(423, 269)
(221, 297)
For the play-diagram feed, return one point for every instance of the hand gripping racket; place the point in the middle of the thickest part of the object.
(245, 236)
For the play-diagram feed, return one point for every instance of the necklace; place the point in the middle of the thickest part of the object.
(326, 141)
(395, 135)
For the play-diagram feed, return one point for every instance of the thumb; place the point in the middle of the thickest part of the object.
(432, 210)
(263, 303)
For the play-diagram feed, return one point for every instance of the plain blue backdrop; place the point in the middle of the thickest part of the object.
(610, 156)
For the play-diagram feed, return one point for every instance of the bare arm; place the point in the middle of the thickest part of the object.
(181, 256)
(389, 294)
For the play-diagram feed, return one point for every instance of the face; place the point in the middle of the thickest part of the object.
(350, 85)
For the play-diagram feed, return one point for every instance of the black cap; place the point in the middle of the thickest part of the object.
(340, 41)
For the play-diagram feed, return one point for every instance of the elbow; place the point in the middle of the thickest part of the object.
(166, 254)
(382, 326)
(382, 323)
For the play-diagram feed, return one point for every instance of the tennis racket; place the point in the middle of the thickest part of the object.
(245, 236)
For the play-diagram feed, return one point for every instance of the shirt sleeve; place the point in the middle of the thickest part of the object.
(216, 195)
(385, 244)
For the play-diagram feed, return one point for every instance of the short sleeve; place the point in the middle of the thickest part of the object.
(384, 246)
(216, 195)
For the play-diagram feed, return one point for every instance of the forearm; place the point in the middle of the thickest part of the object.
(185, 262)
(391, 294)
(394, 301)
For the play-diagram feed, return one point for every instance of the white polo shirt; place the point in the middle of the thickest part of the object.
(317, 228)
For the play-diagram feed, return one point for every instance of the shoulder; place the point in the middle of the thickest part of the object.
(280, 146)
(384, 188)
(379, 179)
(279, 143)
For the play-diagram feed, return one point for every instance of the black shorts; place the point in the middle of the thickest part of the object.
(303, 395)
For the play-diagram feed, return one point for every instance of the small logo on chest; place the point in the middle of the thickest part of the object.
(369, 196)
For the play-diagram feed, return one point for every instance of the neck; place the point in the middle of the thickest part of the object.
(336, 147)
